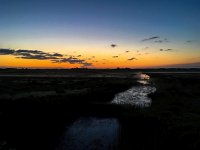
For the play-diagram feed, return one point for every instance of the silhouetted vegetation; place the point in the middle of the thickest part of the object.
(34, 110)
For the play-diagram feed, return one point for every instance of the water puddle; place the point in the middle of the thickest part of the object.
(91, 134)
(137, 95)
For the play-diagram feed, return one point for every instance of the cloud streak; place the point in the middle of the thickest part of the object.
(113, 45)
(133, 58)
(150, 38)
(190, 41)
(41, 55)
(169, 49)
(30, 54)
(162, 41)
(6, 51)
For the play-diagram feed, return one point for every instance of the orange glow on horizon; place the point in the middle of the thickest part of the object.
(105, 57)
(98, 62)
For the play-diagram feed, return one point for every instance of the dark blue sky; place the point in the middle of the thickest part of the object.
(148, 16)
(54, 24)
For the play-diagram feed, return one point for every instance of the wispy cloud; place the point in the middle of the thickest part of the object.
(150, 38)
(113, 45)
(57, 55)
(86, 64)
(133, 58)
(73, 60)
(162, 41)
(156, 39)
(41, 55)
(190, 41)
(159, 41)
(30, 54)
(115, 56)
(6, 51)
(169, 49)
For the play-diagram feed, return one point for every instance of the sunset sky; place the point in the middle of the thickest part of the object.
(99, 33)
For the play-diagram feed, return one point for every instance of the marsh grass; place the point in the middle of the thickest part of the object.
(36, 121)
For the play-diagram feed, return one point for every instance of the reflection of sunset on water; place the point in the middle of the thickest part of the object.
(145, 77)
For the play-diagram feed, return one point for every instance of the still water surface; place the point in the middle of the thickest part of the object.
(92, 133)
(137, 95)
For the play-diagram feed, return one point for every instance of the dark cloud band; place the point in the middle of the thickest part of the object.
(41, 55)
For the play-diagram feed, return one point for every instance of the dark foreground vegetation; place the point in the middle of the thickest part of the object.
(176, 105)
(173, 120)
(34, 110)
